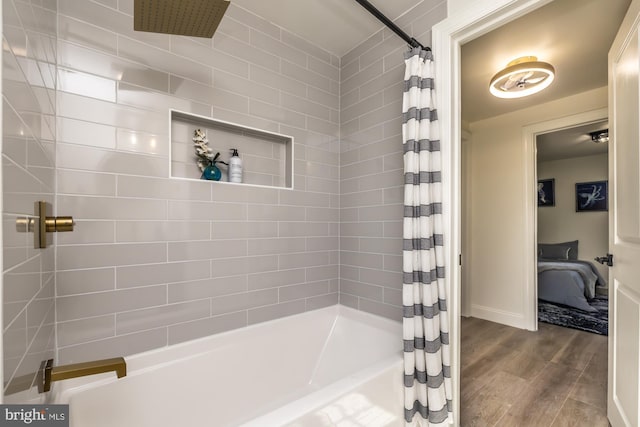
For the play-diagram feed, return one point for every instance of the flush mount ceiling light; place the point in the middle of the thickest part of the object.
(523, 77)
(600, 136)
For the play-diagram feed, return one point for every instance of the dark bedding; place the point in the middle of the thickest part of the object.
(568, 282)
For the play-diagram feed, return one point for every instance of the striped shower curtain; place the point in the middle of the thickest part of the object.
(427, 372)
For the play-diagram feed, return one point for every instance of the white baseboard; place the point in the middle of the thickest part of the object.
(498, 316)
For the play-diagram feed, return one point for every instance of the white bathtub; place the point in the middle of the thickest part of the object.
(334, 366)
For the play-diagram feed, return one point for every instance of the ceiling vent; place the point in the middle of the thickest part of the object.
(196, 18)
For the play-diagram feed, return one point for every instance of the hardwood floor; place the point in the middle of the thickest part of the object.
(554, 377)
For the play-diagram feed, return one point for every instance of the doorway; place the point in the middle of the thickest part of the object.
(573, 227)
(502, 364)
(448, 38)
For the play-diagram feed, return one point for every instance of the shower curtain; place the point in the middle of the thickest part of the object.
(427, 372)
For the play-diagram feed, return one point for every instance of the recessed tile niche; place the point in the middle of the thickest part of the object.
(267, 157)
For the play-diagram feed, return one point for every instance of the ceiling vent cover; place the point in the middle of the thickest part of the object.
(196, 18)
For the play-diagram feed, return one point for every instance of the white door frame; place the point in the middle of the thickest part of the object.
(472, 21)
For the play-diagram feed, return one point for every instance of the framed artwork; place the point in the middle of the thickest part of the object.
(592, 196)
(546, 192)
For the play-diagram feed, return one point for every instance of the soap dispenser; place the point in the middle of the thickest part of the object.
(235, 166)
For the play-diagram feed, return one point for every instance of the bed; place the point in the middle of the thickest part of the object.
(564, 279)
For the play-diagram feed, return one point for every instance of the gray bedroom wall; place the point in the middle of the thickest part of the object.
(561, 222)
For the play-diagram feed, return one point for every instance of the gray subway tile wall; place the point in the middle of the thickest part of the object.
(29, 126)
(28, 132)
(371, 165)
(156, 261)
(176, 259)
(207, 288)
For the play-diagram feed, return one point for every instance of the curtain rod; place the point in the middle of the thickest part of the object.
(393, 27)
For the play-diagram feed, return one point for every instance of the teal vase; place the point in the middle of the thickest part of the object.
(211, 173)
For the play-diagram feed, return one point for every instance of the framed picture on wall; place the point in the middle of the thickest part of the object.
(592, 196)
(546, 192)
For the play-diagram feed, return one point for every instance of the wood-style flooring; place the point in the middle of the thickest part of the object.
(550, 378)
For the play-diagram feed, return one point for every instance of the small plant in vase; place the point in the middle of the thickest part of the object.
(206, 159)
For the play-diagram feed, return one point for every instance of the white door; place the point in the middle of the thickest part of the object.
(624, 223)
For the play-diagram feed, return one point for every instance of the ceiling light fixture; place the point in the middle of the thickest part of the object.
(600, 136)
(523, 76)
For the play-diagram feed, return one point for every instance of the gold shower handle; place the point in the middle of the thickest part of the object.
(42, 223)
(59, 223)
(49, 224)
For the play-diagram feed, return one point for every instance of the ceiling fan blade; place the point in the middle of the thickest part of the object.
(516, 79)
(511, 82)
(536, 80)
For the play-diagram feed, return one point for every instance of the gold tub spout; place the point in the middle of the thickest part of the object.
(65, 372)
